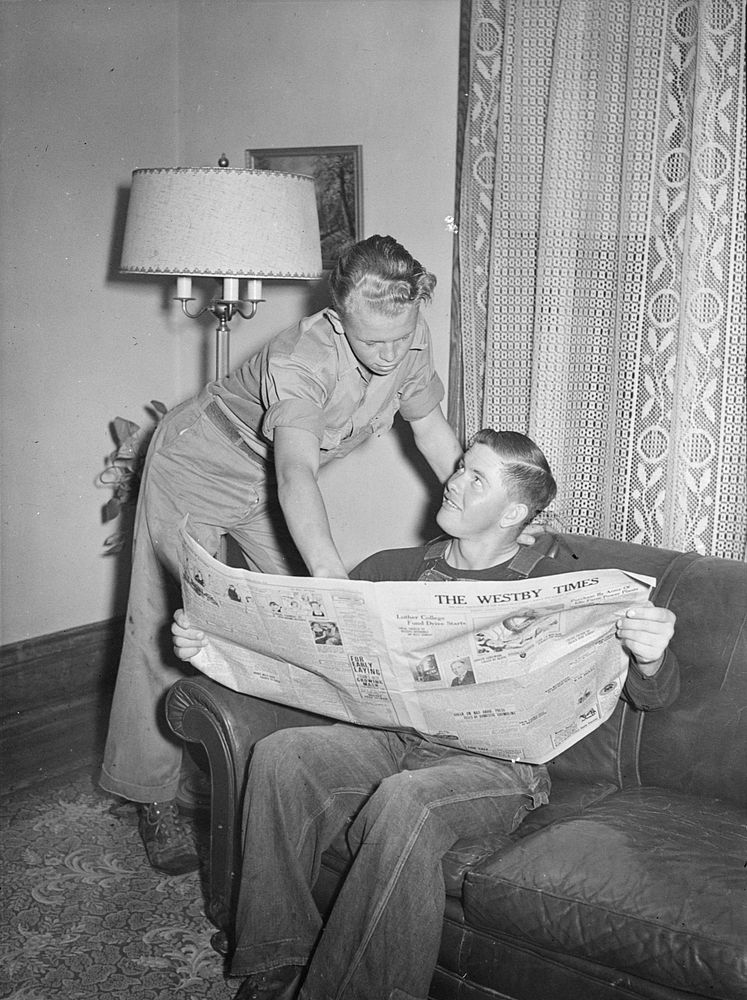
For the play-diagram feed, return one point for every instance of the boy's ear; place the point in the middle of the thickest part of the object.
(515, 515)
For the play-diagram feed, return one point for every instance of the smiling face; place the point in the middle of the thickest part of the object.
(476, 502)
(381, 342)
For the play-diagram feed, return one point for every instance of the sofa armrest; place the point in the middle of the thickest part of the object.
(227, 725)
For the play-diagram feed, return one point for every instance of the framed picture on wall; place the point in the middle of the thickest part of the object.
(338, 178)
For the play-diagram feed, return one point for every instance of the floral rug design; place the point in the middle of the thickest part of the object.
(83, 914)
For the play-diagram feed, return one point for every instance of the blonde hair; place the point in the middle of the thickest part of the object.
(379, 274)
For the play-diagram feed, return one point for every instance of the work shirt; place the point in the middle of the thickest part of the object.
(308, 377)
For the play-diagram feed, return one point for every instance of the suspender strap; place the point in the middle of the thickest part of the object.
(521, 566)
(436, 549)
(433, 552)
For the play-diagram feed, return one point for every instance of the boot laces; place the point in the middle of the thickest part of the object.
(165, 819)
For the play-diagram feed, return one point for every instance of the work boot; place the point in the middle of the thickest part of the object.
(169, 847)
(282, 983)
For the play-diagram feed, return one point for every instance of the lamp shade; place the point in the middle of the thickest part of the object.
(222, 221)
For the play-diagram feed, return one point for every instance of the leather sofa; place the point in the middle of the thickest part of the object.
(632, 881)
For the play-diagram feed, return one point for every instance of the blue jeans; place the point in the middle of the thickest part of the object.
(403, 802)
(192, 468)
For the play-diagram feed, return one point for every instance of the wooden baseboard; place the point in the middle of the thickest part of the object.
(54, 706)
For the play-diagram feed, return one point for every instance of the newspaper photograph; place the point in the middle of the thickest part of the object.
(519, 670)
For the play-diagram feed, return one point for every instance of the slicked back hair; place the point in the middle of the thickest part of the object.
(380, 275)
(527, 473)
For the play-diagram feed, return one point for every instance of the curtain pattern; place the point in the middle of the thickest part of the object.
(601, 257)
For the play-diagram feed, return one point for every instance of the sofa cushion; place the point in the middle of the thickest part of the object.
(647, 881)
(568, 798)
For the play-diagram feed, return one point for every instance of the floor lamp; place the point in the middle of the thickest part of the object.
(230, 224)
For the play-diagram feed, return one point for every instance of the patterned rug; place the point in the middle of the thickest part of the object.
(83, 914)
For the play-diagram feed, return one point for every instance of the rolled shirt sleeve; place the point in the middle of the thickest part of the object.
(299, 413)
(297, 378)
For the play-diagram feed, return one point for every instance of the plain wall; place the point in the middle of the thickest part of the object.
(91, 91)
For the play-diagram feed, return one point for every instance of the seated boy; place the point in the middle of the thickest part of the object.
(401, 800)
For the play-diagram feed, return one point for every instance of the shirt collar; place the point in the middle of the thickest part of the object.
(346, 359)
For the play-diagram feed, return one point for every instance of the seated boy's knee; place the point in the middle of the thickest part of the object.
(284, 748)
(403, 792)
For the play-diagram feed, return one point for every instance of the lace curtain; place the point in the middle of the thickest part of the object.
(599, 298)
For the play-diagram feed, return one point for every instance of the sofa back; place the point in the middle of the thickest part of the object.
(699, 744)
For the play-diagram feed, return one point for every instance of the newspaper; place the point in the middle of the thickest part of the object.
(518, 670)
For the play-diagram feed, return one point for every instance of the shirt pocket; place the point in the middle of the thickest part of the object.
(382, 421)
(334, 436)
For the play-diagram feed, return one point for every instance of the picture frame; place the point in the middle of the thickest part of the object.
(338, 179)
